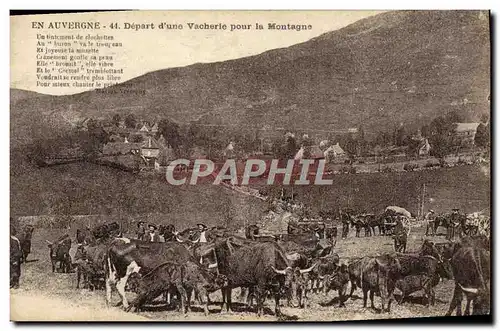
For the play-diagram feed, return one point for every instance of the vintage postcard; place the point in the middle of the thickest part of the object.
(250, 166)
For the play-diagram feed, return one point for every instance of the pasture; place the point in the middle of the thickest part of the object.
(44, 295)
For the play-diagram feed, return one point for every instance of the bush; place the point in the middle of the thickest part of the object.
(410, 166)
(432, 164)
(387, 169)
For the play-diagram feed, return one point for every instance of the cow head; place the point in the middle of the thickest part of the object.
(336, 280)
(28, 231)
(134, 282)
(294, 279)
(429, 248)
(221, 281)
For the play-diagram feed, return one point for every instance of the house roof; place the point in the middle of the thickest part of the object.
(463, 127)
(335, 149)
(316, 153)
(155, 128)
(150, 143)
(144, 128)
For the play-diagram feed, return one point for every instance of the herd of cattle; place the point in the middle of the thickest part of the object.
(473, 224)
(289, 267)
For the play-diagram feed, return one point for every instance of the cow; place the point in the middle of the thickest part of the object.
(59, 252)
(163, 277)
(376, 275)
(358, 222)
(426, 282)
(90, 264)
(107, 230)
(299, 288)
(337, 281)
(200, 280)
(84, 236)
(326, 265)
(126, 256)
(377, 222)
(471, 271)
(261, 264)
(25, 240)
(168, 232)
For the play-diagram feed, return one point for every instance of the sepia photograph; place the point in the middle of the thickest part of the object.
(250, 166)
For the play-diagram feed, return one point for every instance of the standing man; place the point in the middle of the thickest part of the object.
(203, 229)
(16, 254)
(429, 219)
(345, 224)
(454, 223)
(153, 235)
(141, 231)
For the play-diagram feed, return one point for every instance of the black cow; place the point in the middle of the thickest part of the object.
(260, 264)
(59, 253)
(376, 275)
(126, 256)
(377, 222)
(25, 239)
(84, 236)
(148, 286)
(200, 280)
(90, 264)
(299, 288)
(337, 281)
(426, 282)
(107, 230)
(168, 232)
(471, 271)
(326, 265)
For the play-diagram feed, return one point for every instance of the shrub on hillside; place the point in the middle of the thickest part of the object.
(410, 166)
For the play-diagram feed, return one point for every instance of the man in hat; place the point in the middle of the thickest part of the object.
(141, 231)
(203, 229)
(153, 235)
(16, 254)
(429, 220)
(454, 223)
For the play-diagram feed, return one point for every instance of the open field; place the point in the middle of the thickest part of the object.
(465, 187)
(57, 299)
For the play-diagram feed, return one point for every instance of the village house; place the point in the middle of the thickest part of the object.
(335, 154)
(465, 133)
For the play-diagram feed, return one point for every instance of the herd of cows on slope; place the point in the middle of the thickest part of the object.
(288, 266)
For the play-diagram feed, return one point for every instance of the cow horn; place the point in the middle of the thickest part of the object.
(212, 265)
(49, 242)
(321, 277)
(468, 289)
(280, 272)
(303, 271)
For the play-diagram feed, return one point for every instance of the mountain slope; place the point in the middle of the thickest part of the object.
(386, 69)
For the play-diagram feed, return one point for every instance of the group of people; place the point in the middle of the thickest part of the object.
(151, 234)
(454, 222)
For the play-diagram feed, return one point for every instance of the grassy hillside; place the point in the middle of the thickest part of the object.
(464, 187)
(386, 69)
(83, 189)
